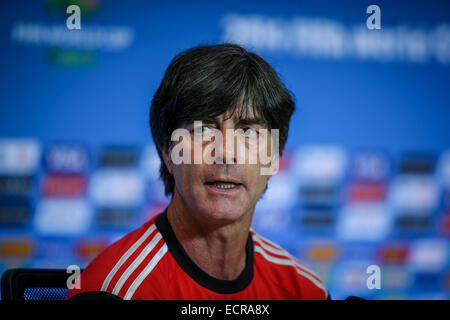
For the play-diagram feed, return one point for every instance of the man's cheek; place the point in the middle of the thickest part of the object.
(182, 174)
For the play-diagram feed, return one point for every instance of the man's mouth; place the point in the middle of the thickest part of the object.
(223, 184)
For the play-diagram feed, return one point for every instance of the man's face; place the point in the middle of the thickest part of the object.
(226, 188)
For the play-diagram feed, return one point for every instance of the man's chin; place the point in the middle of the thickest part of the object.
(223, 213)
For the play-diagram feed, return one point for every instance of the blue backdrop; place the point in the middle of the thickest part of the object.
(366, 150)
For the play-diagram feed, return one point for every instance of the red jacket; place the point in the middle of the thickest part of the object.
(149, 263)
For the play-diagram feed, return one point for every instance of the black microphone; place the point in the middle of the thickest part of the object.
(95, 296)
(354, 298)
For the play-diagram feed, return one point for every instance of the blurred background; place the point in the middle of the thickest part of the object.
(365, 177)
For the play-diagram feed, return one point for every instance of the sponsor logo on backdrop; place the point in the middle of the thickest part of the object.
(417, 195)
(366, 192)
(428, 255)
(88, 249)
(116, 188)
(419, 164)
(317, 222)
(93, 38)
(369, 166)
(16, 184)
(364, 221)
(70, 42)
(115, 217)
(12, 247)
(412, 225)
(63, 217)
(324, 38)
(319, 194)
(320, 165)
(15, 211)
(393, 254)
(19, 156)
(322, 252)
(63, 185)
(66, 158)
(119, 157)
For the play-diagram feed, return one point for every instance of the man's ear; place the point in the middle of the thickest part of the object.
(167, 160)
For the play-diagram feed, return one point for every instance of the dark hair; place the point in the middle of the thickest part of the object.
(207, 81)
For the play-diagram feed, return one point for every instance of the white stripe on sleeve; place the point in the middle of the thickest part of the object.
(126, 255)
(127, 273)
(137, 282)
(288, 262)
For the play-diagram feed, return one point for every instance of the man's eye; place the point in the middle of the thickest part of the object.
(202, 130)
(205, 129)
(250, 132)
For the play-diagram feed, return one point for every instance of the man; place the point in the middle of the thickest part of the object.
(202, 246)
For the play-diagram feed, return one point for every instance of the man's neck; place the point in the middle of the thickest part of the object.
(217, 249)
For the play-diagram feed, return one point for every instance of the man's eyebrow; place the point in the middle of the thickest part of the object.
(240, 121)
(204, 120)
(211, 120)
(252, 121)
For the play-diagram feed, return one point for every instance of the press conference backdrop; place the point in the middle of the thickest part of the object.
(365, 177)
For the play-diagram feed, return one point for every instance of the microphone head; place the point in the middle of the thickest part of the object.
(353, 298)
(95, 296)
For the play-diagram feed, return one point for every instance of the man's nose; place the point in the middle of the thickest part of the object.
(228, 146)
